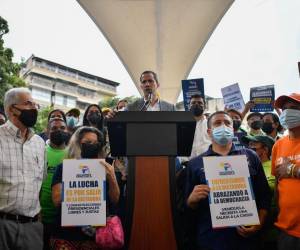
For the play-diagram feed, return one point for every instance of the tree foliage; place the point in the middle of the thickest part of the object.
(42, 120)
(9, 71)
(111, 102)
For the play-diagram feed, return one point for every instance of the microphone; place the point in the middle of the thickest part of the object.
(147, 102)
(150, 96)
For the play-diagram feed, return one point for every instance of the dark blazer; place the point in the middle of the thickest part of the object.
(138, 104)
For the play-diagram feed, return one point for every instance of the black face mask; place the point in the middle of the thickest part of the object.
(197, 110)
(28, 117)
(90, 151)
(59, 137)
(267, 127)
(256, 125)
(94, 118)
(236, 124)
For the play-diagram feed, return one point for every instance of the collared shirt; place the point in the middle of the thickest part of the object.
(155, 107)
(201, 140)
(226, 238)
(22, 168)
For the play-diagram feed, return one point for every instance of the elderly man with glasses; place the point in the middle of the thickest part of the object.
(22, 168)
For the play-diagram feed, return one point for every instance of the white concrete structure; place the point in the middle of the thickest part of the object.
(165, 36)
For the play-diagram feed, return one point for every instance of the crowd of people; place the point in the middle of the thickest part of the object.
(31, 171)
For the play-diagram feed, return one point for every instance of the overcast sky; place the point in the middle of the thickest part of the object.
(257, 43)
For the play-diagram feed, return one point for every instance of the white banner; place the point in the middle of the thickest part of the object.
(231, 197)
(84, 193)
(233, 98)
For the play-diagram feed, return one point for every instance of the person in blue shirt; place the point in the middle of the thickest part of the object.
(220, 129)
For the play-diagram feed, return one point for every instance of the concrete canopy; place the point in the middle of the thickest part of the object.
(165, 36)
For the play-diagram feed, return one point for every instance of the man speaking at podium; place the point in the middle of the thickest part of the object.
(150, 101)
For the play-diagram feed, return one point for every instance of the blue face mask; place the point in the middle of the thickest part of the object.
(290, 118)
(71, 121)
(222, 135)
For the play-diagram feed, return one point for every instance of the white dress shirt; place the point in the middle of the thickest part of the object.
(201, 140)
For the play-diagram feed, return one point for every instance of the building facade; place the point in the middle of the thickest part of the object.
(56, 85)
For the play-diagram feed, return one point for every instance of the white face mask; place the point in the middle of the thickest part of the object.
(290, 118)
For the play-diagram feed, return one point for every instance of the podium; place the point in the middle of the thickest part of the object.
(151, 140)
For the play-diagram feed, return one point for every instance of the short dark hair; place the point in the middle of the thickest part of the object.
(55, 120)
(275, 119)
(213, 114)
(196, 96)
(254, 114)
(149, 72)
(235, 111)
(57, 110)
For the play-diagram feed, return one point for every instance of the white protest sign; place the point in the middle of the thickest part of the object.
(231, 197)
(84, 193)
(233, 98)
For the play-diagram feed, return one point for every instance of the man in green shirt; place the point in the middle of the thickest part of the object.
(55, 151)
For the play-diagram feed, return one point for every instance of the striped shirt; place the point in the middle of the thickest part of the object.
(22, 169)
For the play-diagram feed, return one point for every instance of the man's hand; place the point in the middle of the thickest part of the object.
(199, 192)
(246, 231)
(281, 170)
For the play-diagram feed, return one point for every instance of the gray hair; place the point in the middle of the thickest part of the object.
(12, 96)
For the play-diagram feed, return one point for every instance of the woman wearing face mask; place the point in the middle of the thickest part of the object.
(86, 143)
(93, 117)
(255, 123)
(271, 125)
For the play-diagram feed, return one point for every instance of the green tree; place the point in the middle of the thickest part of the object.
(42, 120)
(111, 102)
(9, 71)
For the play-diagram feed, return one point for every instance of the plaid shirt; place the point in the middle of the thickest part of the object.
(22, 168)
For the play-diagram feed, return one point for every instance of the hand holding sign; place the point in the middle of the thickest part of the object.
(199, 192)
(247, 231)
(109, 169)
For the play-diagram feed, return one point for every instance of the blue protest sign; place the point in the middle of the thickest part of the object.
(263, 97)
(191, 87)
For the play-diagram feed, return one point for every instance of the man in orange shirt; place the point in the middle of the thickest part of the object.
(286, 168)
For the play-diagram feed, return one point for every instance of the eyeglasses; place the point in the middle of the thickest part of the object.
(29, 104)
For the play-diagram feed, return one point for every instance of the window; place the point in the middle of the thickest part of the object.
(59, 99)
(86, 92)
(71, 102)
(41, 94)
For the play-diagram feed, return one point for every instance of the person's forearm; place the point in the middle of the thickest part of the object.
(114, 191)
(191, 204)
(262, 215)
